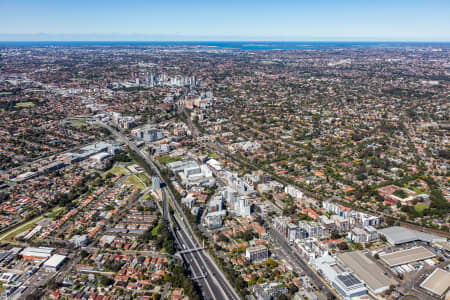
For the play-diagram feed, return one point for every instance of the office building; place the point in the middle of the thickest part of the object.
(243, 208)
(156, 183)
(257, 254)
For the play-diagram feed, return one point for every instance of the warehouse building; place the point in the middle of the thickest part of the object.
(407, 256)
(37, 253)
(437, 283)
(397, 235)
(55, 262)
(367, 270)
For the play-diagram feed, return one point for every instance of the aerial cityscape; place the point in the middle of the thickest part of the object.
(312, 169)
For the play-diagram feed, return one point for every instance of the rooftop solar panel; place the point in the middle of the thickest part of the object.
(349, 280)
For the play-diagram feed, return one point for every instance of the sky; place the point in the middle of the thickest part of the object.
(282, 20)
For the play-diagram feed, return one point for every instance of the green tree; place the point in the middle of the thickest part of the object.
(83, 253)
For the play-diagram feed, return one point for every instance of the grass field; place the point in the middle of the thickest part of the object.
(213, 155)
(419, 207)
(25, 105)
(135, 181)
(55, 212)
(145, 179)
(146, 196)
(77, 123)
(414, 189)
(156, 229)
(168, 159)
(117, 170)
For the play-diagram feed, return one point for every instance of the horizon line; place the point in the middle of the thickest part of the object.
(233, 41)
(182, 37)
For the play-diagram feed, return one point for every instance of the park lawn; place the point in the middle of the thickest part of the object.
(145, 179)
(213, 155)
(169, 159)
(420, 207)
(146, 196)
(55, 212)
(156, 229)
(78, 123)
(76, 79)
(117, 170)
(418, 191)
(414, 189)
(24, 104)
(135, 182)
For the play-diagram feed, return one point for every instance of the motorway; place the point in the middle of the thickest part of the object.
(215, 285)
(198, 271)
(215, 275)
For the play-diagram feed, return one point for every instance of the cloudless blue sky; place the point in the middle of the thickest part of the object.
(232, 19)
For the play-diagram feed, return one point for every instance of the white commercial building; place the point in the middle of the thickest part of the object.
(243, 208)
(80, 240)
(214, 219)
(293, 192)
(214, 164)
(55, 262)
(37, 252)
(349, 286)
(258, 253)
(312, 229)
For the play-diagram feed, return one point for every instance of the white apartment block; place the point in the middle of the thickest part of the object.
(258, 253)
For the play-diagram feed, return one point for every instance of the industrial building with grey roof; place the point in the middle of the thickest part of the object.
(406, 256)
(437, 283)
(397, 235)
(367, 270)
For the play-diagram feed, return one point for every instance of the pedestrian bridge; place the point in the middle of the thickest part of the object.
(190, 250)
(198, 277)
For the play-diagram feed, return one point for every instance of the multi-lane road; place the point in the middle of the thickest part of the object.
(217, 280)
(212, 281)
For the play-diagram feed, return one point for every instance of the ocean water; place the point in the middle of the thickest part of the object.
(252, 46)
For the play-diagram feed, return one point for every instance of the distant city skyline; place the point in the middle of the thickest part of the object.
(201, 20)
